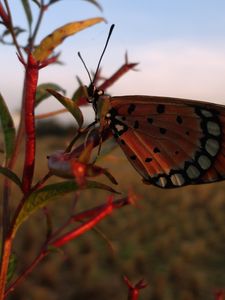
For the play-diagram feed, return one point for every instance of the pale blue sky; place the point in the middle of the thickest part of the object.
(180, 45)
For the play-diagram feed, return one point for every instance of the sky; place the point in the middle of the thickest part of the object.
(179, 45)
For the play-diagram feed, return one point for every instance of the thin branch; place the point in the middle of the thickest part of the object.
(119, 73)
(11, 29)
(26, 272)
(51, 114)
(98, 215)
(43, 8)
(4, 265)
(40, 183)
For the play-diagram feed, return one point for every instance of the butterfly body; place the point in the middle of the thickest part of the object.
(170, 142)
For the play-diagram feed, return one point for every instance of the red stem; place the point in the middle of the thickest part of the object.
(134, 290)
(95, 211)
(119, 73)
(83, 228)
(4, 16)
(31, 78)
(26, 272)
(7, 246)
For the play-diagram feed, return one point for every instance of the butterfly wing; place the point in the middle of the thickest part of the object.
(170, 142)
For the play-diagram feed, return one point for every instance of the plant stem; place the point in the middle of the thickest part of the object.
(40, 183)
(12, 30)
(31, 80)
(107, 210)
(40, 16)
(51, 114)
(5, 211)
(4, 265)
(24, 274)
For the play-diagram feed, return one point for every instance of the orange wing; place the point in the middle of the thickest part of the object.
(170, 142)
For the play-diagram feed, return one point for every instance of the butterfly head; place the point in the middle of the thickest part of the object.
(93, 95)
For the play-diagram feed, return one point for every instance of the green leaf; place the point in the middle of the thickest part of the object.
(95, 3)
(70, 105)
(12, 267)
(8, 128)
(11, 175)
(42, 93)
(51, 192)
(27, 9)
(54, 39)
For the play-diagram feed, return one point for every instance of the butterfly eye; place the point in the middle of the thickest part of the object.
(100, 93)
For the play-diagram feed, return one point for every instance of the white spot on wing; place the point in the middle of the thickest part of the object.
(177, 179)
(119, 127)
(204, 162)
(206, 113)
(192, 172)
(162, 181)
(213, 128)
(212, 146)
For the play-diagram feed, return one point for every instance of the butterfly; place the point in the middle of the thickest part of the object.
(171, 142)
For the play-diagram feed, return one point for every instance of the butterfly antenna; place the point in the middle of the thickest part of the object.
(81, 58)
(97, 69)
(106, 44)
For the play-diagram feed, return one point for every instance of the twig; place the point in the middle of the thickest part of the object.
(10, 27)
(25, 273)
(51, 114)
(43, 7)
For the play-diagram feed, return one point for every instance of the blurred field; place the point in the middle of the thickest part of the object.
(174, 239)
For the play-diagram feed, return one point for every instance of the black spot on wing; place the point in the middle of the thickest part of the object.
(113, 112)
(179, 120)
(150, 120)
(131, 108)
(160, 108)
(156, 150)
(136, 124)
(133, 157)
(162, 130)
(148, 159)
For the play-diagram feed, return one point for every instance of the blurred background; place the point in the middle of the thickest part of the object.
(179, 46)
(173, 239)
